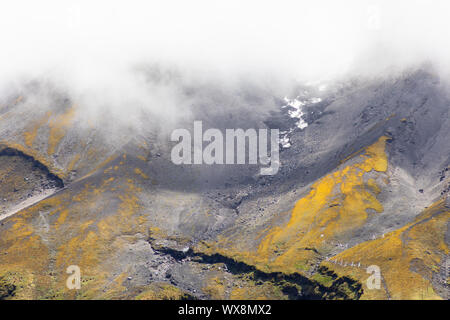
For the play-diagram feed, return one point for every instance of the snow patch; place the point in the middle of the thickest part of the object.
(296, 111)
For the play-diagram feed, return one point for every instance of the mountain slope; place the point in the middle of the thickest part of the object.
(353, 188)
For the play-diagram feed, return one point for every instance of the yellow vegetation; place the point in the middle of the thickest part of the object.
(337, 204)
(30, 136)
(71, 238)
(58, 127)
(140, 173)
(162, 291)
(407, 257)
(36, 155)
(215, 288)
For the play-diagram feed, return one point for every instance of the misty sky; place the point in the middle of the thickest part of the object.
(93, 46)
(313, 38)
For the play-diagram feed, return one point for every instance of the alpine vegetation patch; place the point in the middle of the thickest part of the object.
(214, 147)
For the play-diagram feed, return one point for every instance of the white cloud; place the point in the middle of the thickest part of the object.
(92, 46)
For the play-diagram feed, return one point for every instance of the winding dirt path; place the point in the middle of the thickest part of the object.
(28, 202)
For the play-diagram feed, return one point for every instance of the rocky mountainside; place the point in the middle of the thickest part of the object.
(364, 180)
